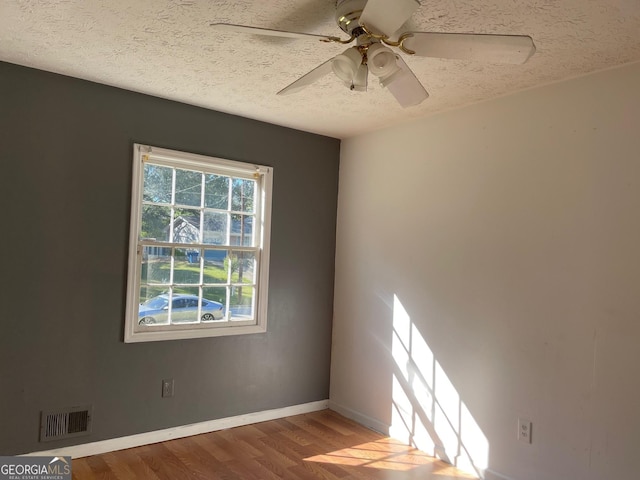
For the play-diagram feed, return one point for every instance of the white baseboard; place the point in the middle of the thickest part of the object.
(104, 446)
(362, 419)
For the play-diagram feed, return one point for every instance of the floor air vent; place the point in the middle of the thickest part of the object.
(65, 423)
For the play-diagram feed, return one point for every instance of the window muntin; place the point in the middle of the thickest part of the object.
(200, 234)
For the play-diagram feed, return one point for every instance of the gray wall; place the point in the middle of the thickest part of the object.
(66, 153)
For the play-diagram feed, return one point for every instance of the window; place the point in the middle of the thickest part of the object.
(198, 247)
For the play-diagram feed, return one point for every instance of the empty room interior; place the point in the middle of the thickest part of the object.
(437, 237)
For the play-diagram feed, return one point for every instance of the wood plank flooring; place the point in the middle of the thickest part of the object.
(321, 445)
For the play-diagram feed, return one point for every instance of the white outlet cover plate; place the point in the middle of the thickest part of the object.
(524, 430)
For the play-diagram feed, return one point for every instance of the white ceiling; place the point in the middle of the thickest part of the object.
(166, 48)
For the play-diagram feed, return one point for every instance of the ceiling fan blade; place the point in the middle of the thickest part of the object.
(468, 46)
(406, 87)
(385, 17)
(228, 27)
(306, 80)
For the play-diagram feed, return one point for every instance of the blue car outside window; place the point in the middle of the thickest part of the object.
(157, 303)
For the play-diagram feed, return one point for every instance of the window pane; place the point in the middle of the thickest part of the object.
(156, 265)
(186, 268)
(215, 267)
(216, 192)
(215, 228)
(147, 292)
(212, 310)
(157, 183)
(188, 187)
(155, 223)
(185, 305)
(217, 295)
(245, 270)
(241, 304)
(154, 307)
(241, 228)
(232, 266)
(186, 226)
(242, 195)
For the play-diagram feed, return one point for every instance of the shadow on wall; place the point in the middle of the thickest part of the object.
(427, 411)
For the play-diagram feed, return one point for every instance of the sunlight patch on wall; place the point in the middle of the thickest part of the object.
(427, 410)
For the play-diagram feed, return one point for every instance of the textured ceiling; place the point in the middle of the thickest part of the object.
(166, 48)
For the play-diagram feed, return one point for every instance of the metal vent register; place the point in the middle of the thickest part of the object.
(65, 423)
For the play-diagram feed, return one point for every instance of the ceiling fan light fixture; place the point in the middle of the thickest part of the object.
(382, 61)
(347, 64)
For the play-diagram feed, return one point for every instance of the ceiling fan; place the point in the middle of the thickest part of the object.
(373, 25)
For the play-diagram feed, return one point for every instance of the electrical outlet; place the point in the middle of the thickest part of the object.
(167, 387)
(524, 430)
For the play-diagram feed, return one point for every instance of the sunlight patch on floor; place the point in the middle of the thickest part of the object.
(387, 454)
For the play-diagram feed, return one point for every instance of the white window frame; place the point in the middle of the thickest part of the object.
(262, 233)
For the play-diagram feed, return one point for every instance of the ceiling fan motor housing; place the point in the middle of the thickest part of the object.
(348, 13)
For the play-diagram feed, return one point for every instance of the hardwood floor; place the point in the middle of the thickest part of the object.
(321, 445)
